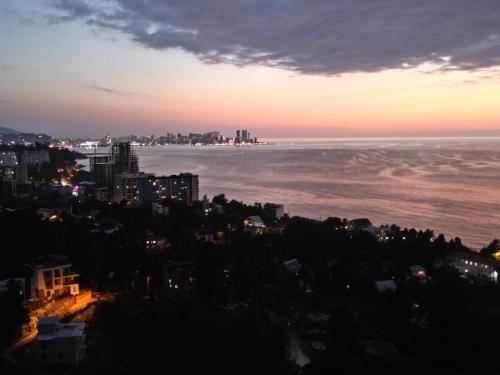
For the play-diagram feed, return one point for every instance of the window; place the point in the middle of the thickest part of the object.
(57, 273)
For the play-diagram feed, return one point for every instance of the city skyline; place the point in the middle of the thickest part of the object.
(328, 68)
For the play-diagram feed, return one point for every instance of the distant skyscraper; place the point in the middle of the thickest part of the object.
(244, 135)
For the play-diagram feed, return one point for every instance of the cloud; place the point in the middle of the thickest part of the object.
(112, 91)
(324, 37)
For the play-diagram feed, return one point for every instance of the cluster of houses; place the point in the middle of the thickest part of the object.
(51, 284)
(255, 224)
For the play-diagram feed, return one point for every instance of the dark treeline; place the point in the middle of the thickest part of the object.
(238, 318)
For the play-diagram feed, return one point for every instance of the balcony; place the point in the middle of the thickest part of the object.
(69, 272)
(70, 280)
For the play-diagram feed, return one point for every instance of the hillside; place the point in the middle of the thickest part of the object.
(8, 131)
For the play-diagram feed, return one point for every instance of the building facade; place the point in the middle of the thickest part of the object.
(273, 210)
(475, 265)
(34, 157)
(145, 187)
(52, 277)
(58, 343)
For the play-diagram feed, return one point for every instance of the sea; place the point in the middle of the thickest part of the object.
(449, 185)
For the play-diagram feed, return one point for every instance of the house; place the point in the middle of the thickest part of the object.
(179, 275)
(208, 235)
(155, 244)
(474, 265)
(14, 285)
(292, 265)
(254, 224)
(359, 225)
(58, 343)
(385, 350)
(386, 286)
(52, 214)
(52, 277)
(254, 221)
(418, 271)
(218, 208)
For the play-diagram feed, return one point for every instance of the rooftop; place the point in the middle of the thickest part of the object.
(62, 330)
(50, 261)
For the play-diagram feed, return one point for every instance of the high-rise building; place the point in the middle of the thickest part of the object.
(244, 135)
(119, 173)
(273, 210)
(8, 159)
(124, 158)
(34, 157)
(7, 183)
(146, 187)
(184, 187)
(106, 169)
(102, 170)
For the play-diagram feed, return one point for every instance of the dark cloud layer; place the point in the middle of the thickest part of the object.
(308, 36)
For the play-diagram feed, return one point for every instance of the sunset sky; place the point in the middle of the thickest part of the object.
(278, 68)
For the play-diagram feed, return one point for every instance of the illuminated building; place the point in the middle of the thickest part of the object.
(418, 271)
(7, 183)
(88, 190)
(469, 264)
(179, 275)
(52, 277)
(8, 159)
(106, 169)
(184, 187)
(147, 187)
(254, 224)
(155, 244)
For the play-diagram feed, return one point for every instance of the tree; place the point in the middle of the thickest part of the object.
(12, 316)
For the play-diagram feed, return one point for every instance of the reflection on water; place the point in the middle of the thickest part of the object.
(449, 185)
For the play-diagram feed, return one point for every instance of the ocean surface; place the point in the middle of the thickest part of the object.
(449, 185)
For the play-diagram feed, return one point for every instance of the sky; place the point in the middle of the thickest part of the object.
(280, 68)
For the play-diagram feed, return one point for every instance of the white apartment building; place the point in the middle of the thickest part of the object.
(52, 277)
